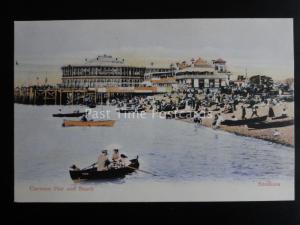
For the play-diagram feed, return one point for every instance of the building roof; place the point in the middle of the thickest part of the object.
(110, 61)
(106, 60)
(182, 65)
(198, 69)
(201, 63)
(101, 60)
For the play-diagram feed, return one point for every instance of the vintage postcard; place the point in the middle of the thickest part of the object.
(160, 110)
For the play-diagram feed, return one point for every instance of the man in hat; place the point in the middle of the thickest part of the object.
(102, 161)
(116, 159)
(124, 160)
(83, 118)
(116, 155)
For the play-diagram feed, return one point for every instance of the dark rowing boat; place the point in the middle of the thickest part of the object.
(280, 117)
(244, 122)
(112, 173)
(272, 124)
(126, 110)
(92, 105)
(77, 114)
(130, 110)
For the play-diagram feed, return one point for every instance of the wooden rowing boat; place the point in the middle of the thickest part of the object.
(272, 124)
(112, 173)
(105, 123)
(77, 114)
(244, 122)
(280, 117)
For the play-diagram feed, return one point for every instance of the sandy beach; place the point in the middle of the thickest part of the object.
(285, 135)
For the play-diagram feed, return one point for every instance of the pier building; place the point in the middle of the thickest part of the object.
(201, 74)
(105, 71)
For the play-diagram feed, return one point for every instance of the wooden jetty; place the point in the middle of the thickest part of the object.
(43, 95)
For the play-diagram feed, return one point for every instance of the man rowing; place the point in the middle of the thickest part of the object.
(103, 162)
(83, 118)
(118, 160)
(115, 156)
(124, 160)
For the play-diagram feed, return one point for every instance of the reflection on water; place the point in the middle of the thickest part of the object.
(174, 150)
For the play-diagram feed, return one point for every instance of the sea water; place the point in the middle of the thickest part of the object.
(175, 151)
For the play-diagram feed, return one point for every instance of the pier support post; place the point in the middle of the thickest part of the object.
(34, 99)
(72, 99)
(30, 95)
(84, 96)
(55, 96)
(45, 97)
(60, 96)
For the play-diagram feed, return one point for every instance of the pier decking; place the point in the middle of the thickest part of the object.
(62, 96)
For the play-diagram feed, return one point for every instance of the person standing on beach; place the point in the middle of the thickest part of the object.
(215, 120)
(243, 112)
(235, 103)
(271, 111)
(284, 115)
(219, 120)
(197, 105)
(254, 111)
(219, 98)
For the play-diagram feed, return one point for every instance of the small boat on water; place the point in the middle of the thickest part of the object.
(105, 123)
(130, 109)
(126, 110)
(112, 173)
(271, 124)
(92, 106)
(75, 114)
(243, 122)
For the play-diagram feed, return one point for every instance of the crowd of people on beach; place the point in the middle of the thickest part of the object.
(219, 104)
(221, 101)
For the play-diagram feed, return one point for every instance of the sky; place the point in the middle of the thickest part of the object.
(260, 46)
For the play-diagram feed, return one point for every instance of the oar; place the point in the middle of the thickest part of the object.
(142, 170)
(89, 166)
(128, 167)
